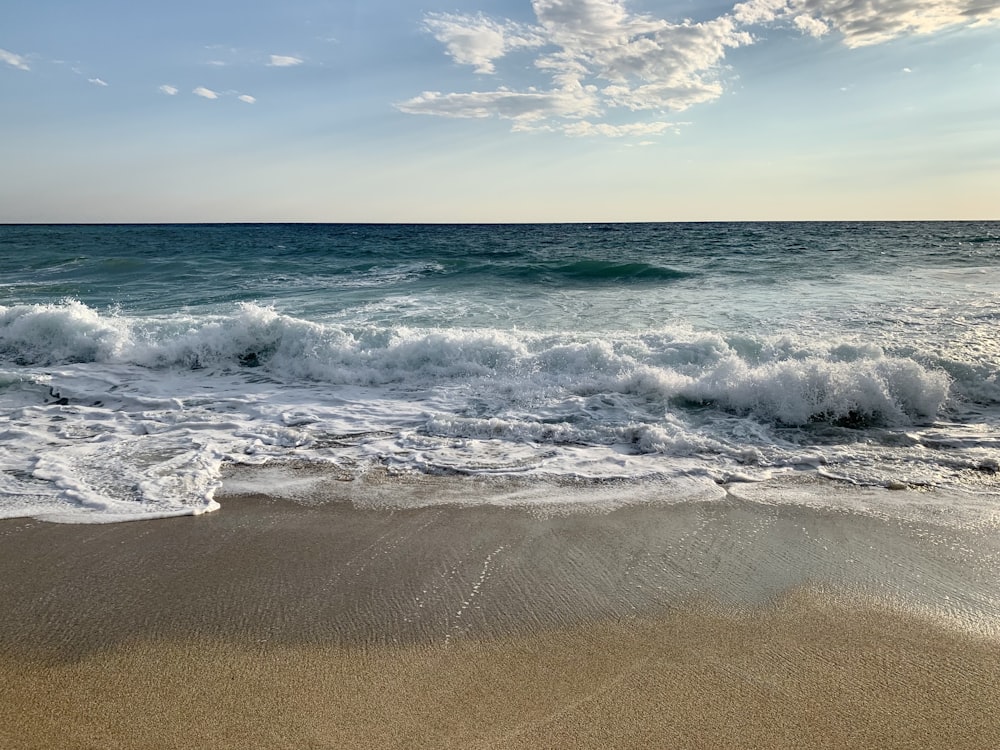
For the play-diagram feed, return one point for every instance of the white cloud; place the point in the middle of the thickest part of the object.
(755, 12)
(865, 22)
(205, 93)
(284, 61)
(592, 26)
(600, 56)
(477, 40)
(907, 70)
(813, 27)
(14, 60)
(97, 81)
(585, 128)
(600, 40)
(524, 106)
(168, 89)
(247, 98)
(672, 93)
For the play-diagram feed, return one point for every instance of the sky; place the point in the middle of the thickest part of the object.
(499, 111)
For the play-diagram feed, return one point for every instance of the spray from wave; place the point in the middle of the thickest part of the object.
(673, 368)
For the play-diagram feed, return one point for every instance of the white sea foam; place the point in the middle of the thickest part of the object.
(106, 417)
(826, 381)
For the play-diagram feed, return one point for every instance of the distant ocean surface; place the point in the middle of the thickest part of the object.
(136, 362)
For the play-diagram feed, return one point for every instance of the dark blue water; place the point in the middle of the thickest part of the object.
(158, 267)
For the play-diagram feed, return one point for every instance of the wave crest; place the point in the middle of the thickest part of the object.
(879, 390)
(852, 385)
(605, 271)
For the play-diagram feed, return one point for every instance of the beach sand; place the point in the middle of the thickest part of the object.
(272, 624)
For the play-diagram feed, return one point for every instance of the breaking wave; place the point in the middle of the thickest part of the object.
(770, 380)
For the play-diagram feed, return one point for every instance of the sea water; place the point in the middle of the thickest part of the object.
(137, 362)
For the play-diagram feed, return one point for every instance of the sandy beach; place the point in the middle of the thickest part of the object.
(276, 624)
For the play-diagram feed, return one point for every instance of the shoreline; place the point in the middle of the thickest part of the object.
(274, 624)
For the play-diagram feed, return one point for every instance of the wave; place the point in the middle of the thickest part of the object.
(603, 271)
(109, 417)
(669, 369)
(523, 270)
(514, 267)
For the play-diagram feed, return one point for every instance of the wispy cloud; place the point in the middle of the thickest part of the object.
(14, 60)
(205, 93)
(601, 57)
(864, 22)
(584, 128)
(97, 81)
(168, 89)
(247, 98)
(523, 106)
(284, 61)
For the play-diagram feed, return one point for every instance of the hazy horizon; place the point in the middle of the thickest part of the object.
(307, 222)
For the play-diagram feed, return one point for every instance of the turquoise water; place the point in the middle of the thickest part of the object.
(137, 361)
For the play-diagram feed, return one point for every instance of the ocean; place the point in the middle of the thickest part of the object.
(142, 367)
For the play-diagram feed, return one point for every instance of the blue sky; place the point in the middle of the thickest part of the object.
(506, 110)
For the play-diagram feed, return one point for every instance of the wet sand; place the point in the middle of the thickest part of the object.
(276, 625)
